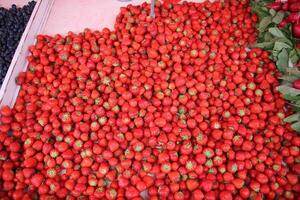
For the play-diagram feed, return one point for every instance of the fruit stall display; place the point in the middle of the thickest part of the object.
(199, 102)
(13, 21)
(279, 33)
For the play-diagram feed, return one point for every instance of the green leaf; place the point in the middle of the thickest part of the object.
(288, 78)
(290, 97)
(284, 40)
(272, 12)
(298, 51)
(297, 103)
(287, 90)
(287, 31)
(281, 45)
(293, 71)
(278, 17)
(296, 126)
(276, 32)
(294, 56)
(275, 54)
(264, 23)
(295, 108)
(292, 118)
(282, 60)
(267, 37)
(260, 10)
(264, 45)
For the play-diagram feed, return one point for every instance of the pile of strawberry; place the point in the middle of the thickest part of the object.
(175, 107)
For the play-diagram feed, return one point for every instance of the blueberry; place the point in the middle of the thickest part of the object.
(12, 24)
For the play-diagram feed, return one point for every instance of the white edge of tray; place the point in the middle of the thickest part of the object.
(9, 89)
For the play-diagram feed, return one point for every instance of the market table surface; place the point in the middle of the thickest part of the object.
(75, 15)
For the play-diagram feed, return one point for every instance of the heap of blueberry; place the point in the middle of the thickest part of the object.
(12, 24)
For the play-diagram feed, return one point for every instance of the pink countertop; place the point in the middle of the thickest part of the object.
(76, 15)
(8, 3)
